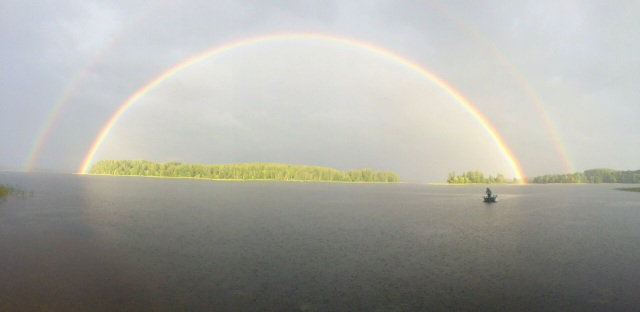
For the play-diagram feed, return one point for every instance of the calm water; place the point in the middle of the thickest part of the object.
(125, 243)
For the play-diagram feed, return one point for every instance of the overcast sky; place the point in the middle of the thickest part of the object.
(559, 81)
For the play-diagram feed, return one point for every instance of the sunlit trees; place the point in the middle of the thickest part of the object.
(451, 178)
(246, 171)
(4, 191)
(591, 176)
(10, 191)
(474, 176)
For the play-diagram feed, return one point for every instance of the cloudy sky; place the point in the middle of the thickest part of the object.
(557, 80)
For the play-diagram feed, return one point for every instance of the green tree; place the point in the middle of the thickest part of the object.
(249, 171)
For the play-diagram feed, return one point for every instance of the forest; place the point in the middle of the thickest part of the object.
(7, 191)
(476, 176)
(242, 171)
(591, 176)
(4, 191)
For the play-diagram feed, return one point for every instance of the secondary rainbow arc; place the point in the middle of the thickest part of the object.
(482, 120)
(53, 116)
(518, 77)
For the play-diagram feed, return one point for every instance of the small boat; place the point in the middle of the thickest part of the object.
(490, 199)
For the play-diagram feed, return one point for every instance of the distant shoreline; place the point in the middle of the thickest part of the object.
(240, 171)
(629, 189)
(235, 180)
(7, 191)
(474, 184)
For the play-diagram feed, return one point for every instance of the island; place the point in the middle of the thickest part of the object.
(600, 175)
(629, 189)
(5, 191)
(477, 177)
(240, 171)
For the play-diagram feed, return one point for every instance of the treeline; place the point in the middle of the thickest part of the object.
(244, 171)
(477, 177)
(7, 191)
(591, 176)
(4, 191)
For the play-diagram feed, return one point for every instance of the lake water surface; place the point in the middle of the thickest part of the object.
(130, 243)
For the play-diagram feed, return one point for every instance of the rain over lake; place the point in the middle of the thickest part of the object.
(104, 243)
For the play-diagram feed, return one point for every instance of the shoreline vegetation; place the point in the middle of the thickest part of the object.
(477, 177)
(241, 171)
(599, 175)
(591, 176)
(7, 191)
(629, 189)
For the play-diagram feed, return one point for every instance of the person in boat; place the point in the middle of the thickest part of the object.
(488, 192)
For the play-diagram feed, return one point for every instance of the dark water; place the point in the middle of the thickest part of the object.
(122, 243)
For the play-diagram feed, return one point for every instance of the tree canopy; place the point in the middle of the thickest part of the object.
(7, 191)
(599, 175)
(476, 176)
(4, 191)
(242, 171)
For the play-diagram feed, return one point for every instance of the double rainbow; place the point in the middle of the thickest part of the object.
(489, 128)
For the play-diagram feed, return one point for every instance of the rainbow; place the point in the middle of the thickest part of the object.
(526, 87)
(489, 128)
(80, 76)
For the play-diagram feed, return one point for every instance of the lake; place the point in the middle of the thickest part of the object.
(104, 243)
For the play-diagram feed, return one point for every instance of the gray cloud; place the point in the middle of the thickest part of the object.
(319, 103)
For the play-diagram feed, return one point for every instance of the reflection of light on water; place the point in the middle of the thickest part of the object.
(186, 243)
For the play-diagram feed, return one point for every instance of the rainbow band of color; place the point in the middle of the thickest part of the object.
(506, 152)
(516, 76)
(68, 92)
